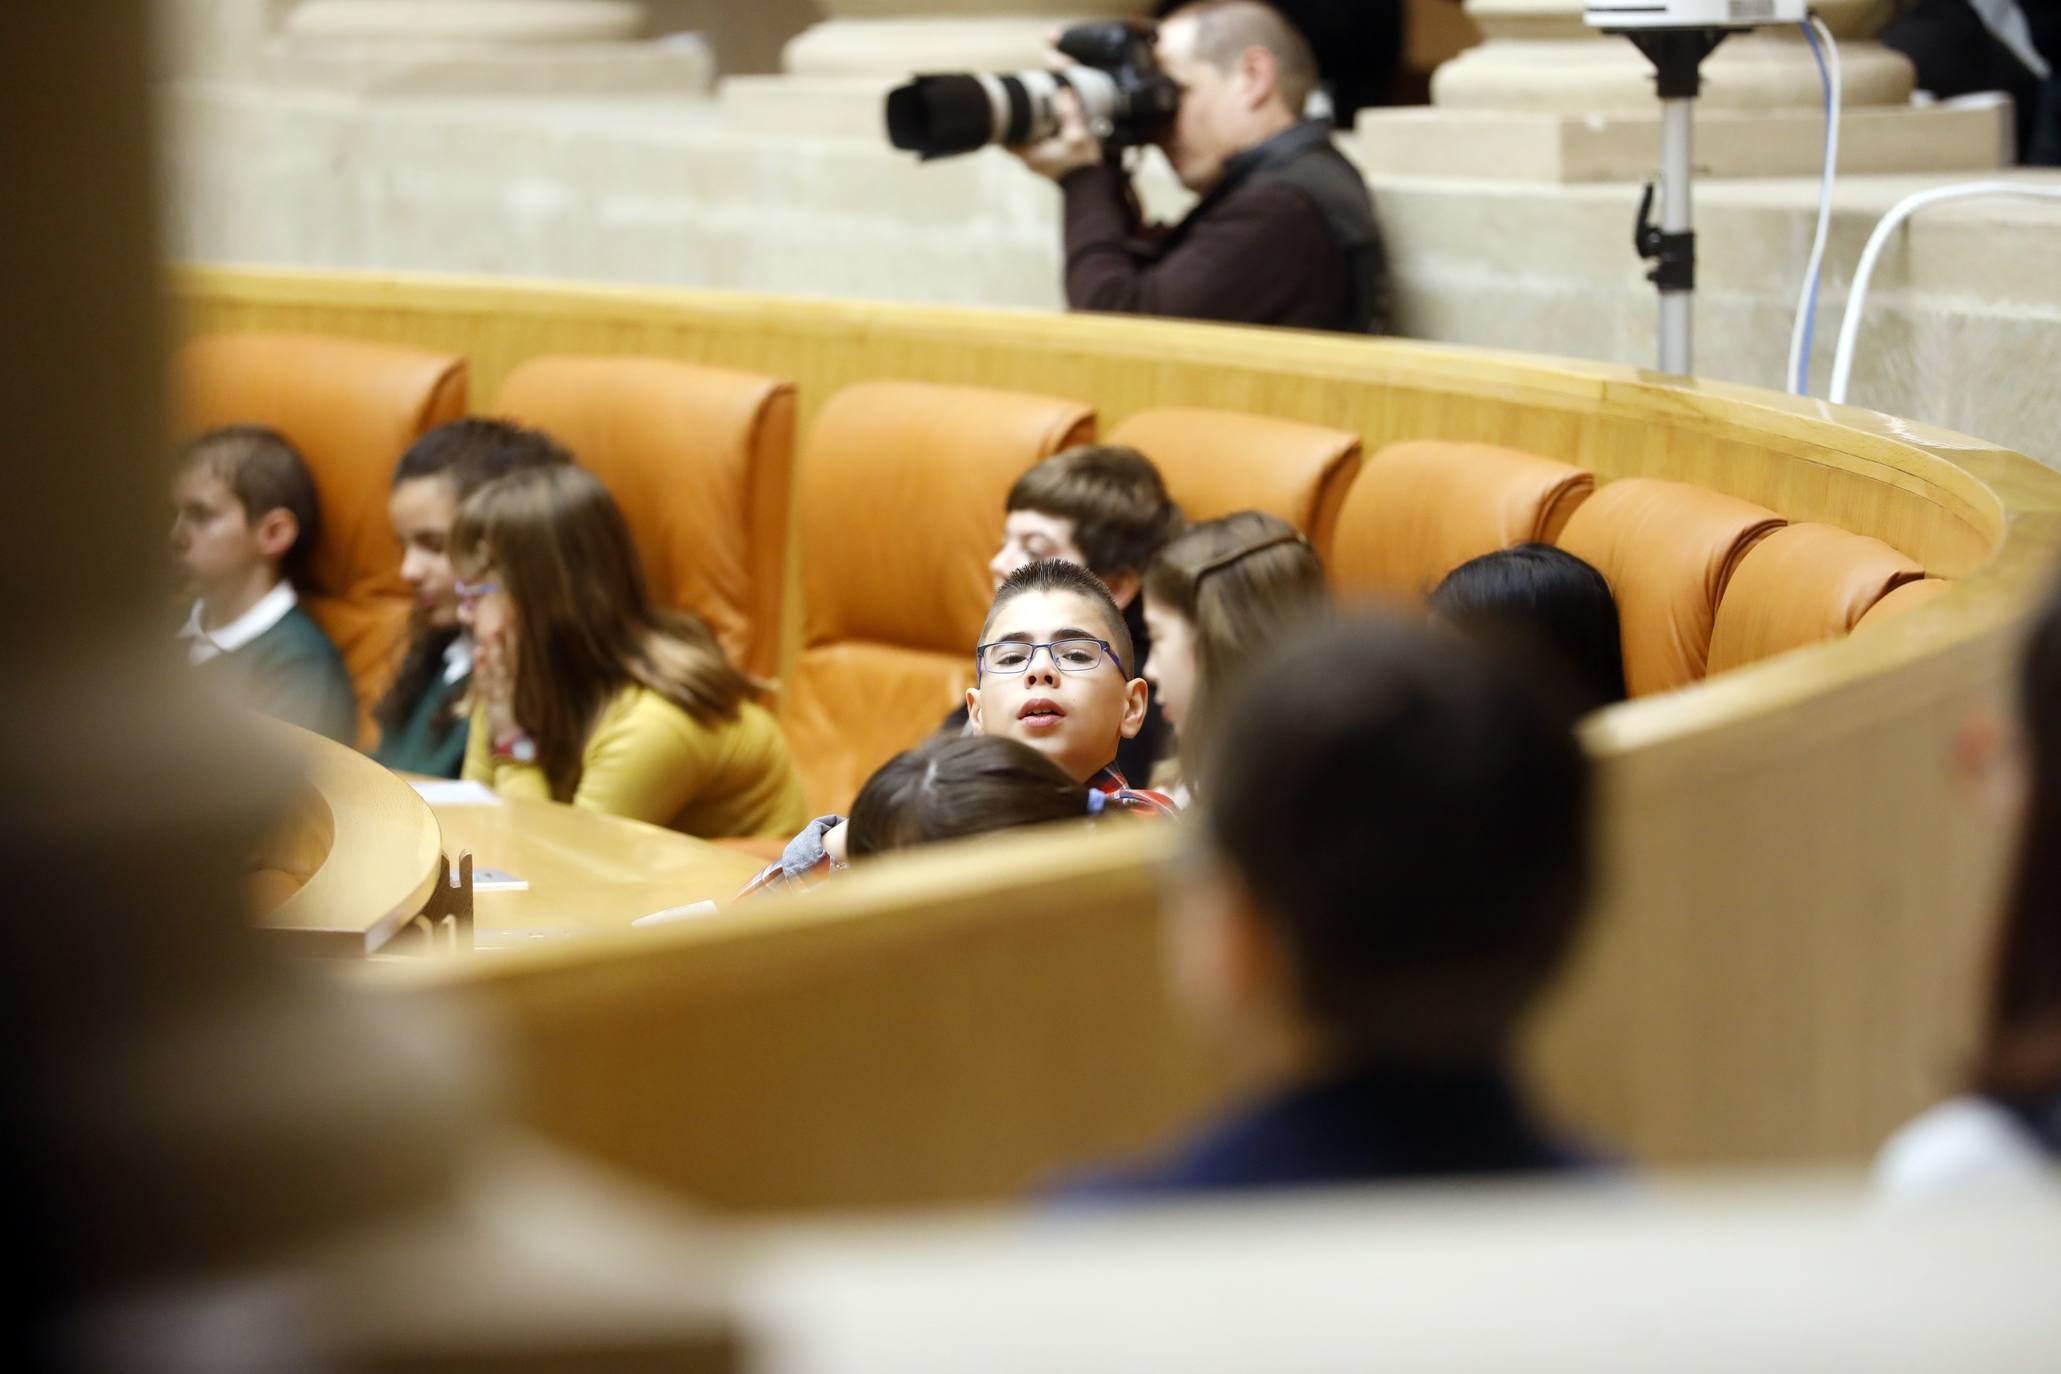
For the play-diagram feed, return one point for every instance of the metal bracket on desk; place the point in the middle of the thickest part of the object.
(446, 920)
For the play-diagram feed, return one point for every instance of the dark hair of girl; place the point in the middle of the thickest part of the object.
(957, 785)
(1548, 599)
(468, 454)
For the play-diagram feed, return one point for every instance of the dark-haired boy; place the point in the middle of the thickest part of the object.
(1397, 861)
(1105, 507)
(244, 517)
(1052, 670)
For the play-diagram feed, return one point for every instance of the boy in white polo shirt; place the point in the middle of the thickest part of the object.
(244, 519)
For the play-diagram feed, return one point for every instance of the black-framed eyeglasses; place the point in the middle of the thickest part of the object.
(1082, 655)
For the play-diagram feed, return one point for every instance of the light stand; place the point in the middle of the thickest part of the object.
(1677, 56)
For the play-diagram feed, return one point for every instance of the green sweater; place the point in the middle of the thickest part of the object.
(293, 672)
(430, 740)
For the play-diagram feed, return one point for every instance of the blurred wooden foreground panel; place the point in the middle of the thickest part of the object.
(1772, 1275)
(959, 1024)
(1785, 958)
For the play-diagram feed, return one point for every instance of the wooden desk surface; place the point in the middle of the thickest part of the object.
(586, 872)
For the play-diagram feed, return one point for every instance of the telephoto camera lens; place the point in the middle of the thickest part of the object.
(943, 116)
(1124, 97)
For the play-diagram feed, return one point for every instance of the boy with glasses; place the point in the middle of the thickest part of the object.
(1052, 671)
(1105, 507)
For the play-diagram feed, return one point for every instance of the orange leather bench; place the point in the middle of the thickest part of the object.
(1422, 508)
(1800, 585)
(1216, 462)
(1668, 551)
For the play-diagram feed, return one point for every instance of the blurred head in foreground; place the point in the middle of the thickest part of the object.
(2020, 1060)
(1396, 861)
(2002, 1133)
(1399, 828)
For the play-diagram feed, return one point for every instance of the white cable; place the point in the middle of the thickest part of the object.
(1850, 327)
(1826, 49)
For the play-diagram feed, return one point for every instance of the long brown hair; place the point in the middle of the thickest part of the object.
(2021, 1053)
(1239, 581)
(586, 626)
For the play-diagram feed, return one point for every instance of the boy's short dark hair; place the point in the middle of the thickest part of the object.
(1115, 498)
(951, 786)
(1059, 575)
(1413, 819)
(472, 452)
(264, 472)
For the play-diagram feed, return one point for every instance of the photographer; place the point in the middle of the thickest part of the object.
(1284, 233)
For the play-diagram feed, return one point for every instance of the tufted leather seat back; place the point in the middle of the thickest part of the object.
(1422, 508)
(1909, 597)
(1668, 551)
(700, 460)
(1802, 584)
(899, 496)
(1219, 461)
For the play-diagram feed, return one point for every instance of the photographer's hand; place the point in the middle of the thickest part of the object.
(1069, 150)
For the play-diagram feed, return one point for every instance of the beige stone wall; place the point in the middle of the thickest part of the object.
(689, 191)
(746, 35)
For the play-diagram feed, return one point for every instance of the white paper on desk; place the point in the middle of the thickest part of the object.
(455, 792)
(672, 914)
(498, 880)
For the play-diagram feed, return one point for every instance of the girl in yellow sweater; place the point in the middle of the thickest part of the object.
(588, 693)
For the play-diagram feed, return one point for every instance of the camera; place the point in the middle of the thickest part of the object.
(1126, 97)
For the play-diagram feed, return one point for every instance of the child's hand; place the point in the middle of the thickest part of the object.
(493, 678)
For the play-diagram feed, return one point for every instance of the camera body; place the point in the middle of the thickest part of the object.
(1125, 96)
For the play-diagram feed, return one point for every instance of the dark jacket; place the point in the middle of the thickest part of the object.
(430, 738)
(1380, 1123)
(1287, 237)
(293, 672)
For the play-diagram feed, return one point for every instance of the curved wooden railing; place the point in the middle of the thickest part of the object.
(1786, 957)
(359, 843)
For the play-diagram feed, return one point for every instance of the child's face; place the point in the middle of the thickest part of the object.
(1171, 668)
(1075, 719)
(217, 544)
(1030, 536)
(422, 509)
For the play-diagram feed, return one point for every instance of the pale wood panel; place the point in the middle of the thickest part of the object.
(1784, 962)
(961, 1024)
(1858, 472)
